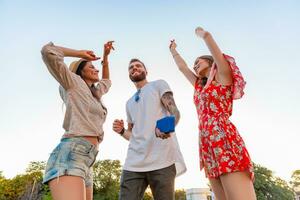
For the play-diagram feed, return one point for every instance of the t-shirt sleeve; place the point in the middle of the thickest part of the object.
(129, 119)
(162, 87)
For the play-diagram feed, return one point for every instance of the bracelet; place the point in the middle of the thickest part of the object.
(104, 62)
(177, 54)
(122, 132)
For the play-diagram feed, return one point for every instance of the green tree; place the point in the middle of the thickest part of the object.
(24, 186)
(1, 175)
(35, 171)
(13, 188)
(107, 175)
(180, 194)
(268, 187)
(148, 194)
(35, 166)
(296, 178)
(295, 182)
(3, 186)
(35, 189)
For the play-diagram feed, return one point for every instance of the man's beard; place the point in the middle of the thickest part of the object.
(138, 78)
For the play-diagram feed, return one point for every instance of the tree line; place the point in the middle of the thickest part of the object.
(107, 173)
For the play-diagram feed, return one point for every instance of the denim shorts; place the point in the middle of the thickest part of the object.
(72, 157)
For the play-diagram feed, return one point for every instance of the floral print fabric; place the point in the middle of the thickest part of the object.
(221, 148)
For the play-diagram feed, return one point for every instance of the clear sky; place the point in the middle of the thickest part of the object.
(263, 36)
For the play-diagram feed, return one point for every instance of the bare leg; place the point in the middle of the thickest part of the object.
(238, 185)
(68, 187)
(89, 193)
(217, 188)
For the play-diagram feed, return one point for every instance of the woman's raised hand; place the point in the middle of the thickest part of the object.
(107, 47)
(200, 32)
(172, 45)
(87, 55)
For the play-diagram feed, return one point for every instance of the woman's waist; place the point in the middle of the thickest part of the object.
(83, 143)
(93, 138)
(211, 114)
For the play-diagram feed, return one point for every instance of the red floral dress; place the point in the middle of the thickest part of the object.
(221, 148)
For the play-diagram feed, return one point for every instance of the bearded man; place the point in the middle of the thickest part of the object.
(153, 157)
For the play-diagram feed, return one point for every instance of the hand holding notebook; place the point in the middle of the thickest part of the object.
(166, 124)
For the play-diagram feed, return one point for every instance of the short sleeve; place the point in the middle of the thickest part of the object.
(238, 80)
(129, 119)
(162, 87)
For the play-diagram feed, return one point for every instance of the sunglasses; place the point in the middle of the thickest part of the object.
(137, 95)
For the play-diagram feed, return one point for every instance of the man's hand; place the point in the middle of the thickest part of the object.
(118, 125)
(161, 135)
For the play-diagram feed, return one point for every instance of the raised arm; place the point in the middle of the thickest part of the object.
(105, 69)
(224, 74)
(181, 64)
(104, 84)
(53, 57)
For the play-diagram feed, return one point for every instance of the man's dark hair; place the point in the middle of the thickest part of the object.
(137, 60)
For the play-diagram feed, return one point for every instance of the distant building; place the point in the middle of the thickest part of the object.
(297, 197)
(199, 194)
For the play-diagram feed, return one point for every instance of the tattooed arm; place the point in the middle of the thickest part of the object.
(169, 103)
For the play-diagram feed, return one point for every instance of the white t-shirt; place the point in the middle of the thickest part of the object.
(146, 152)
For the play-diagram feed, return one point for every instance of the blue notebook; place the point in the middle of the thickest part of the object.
(166, 124)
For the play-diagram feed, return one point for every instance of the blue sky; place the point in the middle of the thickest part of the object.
(263, 36)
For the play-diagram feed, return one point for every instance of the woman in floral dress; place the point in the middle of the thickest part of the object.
(223, 155)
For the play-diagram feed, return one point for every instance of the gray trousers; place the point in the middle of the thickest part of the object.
(134, 184)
